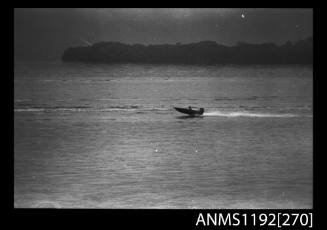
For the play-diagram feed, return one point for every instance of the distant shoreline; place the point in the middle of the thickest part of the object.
(200, 53)
(60, 61)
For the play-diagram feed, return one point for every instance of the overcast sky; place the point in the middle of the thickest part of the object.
(45, 33)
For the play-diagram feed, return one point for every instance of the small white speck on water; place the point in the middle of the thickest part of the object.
(156, 150)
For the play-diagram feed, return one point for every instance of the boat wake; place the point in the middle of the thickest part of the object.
(136, 109)
(246, 114)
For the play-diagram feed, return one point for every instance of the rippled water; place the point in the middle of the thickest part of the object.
(107, 136)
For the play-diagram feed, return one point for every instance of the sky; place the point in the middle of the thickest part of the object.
(43, 34)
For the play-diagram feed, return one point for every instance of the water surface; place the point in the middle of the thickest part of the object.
(107, 136)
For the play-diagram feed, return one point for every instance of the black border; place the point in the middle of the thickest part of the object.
(147, 218)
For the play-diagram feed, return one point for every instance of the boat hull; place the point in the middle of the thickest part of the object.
(190, 112)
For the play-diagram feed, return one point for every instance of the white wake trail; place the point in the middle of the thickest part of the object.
(246, 114)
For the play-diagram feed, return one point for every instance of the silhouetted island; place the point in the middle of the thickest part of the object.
(204, 52)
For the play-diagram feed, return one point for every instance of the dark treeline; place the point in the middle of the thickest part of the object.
(204, 52)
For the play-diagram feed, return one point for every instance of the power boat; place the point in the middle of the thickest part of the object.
(189, 111)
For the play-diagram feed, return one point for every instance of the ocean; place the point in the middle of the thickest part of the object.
(107, 136)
